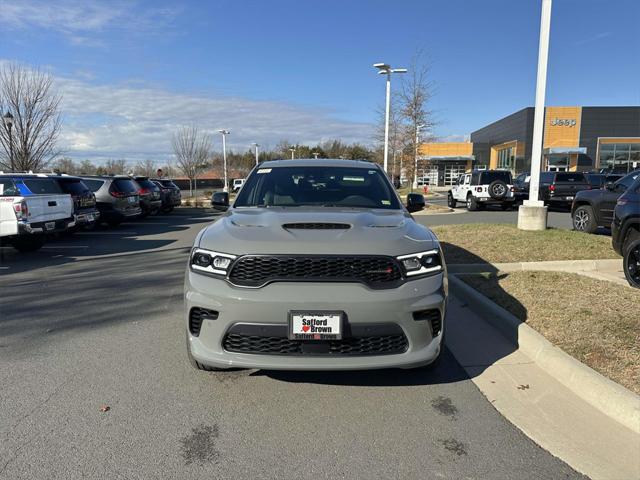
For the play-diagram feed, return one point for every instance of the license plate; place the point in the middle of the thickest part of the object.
(315, 325)
(132, 199)
(89, 217)
(50, 225)
(569, 198)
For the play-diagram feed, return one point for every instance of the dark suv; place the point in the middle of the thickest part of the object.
(594, 208)
(84, 200)
(149, 192)
(560, 188)
(117, 198)
(170, 193)
(625, 231)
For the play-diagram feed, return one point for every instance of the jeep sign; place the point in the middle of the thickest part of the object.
(563, 122)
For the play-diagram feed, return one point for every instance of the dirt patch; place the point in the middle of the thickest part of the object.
(199, 446)
(495, 243)
(597, 322)
(454, 446)
(444, 406)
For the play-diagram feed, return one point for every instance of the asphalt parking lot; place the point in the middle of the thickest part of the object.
(94, 320)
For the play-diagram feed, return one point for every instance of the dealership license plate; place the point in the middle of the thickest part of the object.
(569, 198)
(315, 325)
(50, 225)
(132, 200)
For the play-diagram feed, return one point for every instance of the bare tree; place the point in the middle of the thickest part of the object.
(116, 167)
(29, 96)
(146, 167)
(86, 167)
(192, 150)
(415, 93)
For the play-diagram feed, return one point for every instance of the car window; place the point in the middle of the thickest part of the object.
(168, 184)
(125, 185)
(74, 187)
(93, 185)
(627, 181)
(42, 186)
(146, 183)
(488, 177)
(571, 177)
(8, 188)
(323, 186)
(546, 177)
(467, 179)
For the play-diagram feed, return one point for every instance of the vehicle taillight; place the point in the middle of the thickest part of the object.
(143, 191)
(478, 189)
(118, 194)
(21, 210)
(552, 188)
(513, 189)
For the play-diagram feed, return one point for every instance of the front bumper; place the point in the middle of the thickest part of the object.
(271, 305)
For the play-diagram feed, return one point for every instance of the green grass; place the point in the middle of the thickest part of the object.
(498, 243)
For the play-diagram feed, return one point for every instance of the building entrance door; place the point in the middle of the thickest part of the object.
(452, 172)
(557, 163)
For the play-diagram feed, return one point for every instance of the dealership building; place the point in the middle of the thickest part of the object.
(574, 139)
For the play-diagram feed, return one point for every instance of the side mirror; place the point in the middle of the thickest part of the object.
(415, 202)
(220, 201)
(611, 186)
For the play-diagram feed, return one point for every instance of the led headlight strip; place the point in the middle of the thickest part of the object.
(208, 261)
(422, 263)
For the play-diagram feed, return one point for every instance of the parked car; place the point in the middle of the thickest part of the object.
(599, 180)
(149, 192)
(594, 208)
(84, 200)
(483, 187)
(171, 194)
(116, 196)
(521, 187)
(32, 206)
(560, 188)
(625, 232)
(237, 184)
(316, 266)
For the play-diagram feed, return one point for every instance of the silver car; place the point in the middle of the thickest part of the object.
(316, 266)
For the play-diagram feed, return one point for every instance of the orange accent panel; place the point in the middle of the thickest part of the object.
(562, 127)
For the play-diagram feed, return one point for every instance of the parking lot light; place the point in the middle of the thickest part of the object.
(385, 69)
(224, 158)
(8, 122)
(256, 147)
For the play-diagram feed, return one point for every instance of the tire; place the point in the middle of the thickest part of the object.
(631, 263)
(197, 365)
(28, 243)
(498, 189)
(584, 219)
(472, 204)
(451, 202)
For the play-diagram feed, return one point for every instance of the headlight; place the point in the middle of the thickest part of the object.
(210, 262)
(422, 263)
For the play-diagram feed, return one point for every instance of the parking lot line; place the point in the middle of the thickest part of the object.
(106, 233)
(55, 247)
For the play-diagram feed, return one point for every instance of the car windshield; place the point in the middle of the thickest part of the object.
(488, 177)
(125, 185)
(74, 187)
(146, 183)
(94, 185)
(319, 186)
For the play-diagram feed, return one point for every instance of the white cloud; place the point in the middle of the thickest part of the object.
(106, 121)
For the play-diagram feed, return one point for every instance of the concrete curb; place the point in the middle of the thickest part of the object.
(555, 266)
(607, 396)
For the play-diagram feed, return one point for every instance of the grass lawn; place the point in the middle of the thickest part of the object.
(596, 322)
(497, 243)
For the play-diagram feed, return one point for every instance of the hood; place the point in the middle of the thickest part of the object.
(325, 231)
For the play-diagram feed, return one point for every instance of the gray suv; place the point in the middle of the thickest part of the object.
(316, 266)
(117, 198)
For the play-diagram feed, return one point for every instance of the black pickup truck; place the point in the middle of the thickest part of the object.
(594, 208)
(560, 188)
(84, 200)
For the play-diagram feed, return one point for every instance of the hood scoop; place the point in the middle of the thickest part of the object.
(316, 226)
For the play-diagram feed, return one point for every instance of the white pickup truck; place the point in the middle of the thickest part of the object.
(32, 206)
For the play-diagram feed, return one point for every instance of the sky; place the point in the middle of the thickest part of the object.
(132, 72)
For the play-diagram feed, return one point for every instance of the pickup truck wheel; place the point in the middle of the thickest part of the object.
(28, 243)
(451, 201)
(584, 219)
(472, 204)
(631, 263)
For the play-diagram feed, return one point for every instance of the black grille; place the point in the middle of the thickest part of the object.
(433, 316)
(196, 315)
(257, 270)
(316, 226)
(374, 345)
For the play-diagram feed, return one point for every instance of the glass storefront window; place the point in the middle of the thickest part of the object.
(619, 157)
(506, 158)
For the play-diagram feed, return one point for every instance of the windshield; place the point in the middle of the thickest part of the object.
(74, 187)
(488, 177)
(321, 186)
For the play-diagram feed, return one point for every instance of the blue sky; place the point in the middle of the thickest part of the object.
(302, 70)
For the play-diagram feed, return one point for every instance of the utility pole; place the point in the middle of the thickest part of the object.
(532, 215)
(415, 156)
(224, 158)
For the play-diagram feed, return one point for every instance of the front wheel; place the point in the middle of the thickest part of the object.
(28, 243)
(584, 219)
(472, 204)
(451, 201)
(631, 263)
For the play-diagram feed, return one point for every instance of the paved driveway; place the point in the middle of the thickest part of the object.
(96, 320)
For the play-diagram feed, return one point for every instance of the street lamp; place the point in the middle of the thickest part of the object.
(315, 155)
(293, 150)
(8, 121)
(415, 159)
(224, 158)
(256, 145)
(385, 69)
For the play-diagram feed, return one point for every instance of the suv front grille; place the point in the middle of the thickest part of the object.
(258, 270)
(374, 345)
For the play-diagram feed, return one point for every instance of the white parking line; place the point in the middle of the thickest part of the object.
(106, 233)
(56, 247)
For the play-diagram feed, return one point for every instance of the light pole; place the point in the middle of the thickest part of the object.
(532, 215)
(224, 158)
(315, 155)
(256, 146)
(8, 121)
(415, 158)
(293, 150)
(385, 69)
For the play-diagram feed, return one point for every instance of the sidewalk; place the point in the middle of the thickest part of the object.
(608, 270)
